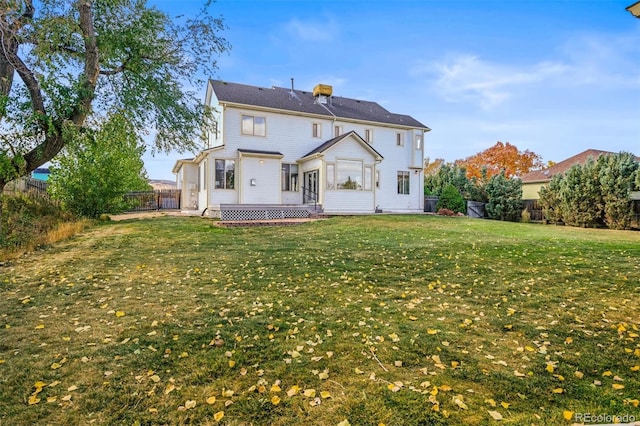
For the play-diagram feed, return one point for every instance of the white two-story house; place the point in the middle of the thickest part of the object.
(280, 147)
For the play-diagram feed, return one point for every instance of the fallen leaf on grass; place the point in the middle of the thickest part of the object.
(218, 416)
(495, 415)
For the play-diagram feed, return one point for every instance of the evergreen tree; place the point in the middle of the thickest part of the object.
(505, 198)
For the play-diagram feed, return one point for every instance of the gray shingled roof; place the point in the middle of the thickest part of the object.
(303, 101)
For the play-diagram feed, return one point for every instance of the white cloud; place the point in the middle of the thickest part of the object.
(322, 31)
(468, 78)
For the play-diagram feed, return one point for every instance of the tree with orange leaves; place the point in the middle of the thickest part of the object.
(501, 156)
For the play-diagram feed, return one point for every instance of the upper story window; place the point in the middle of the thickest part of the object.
(316, 129)
(368, 135)
(337, 131)
(399, 139)
(255, 126)
(418, 139)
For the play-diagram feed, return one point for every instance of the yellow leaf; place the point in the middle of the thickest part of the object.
(505, 404)
(634, 402)
(345, 422)
(459, 401)
(432, 331)
(55, 366)
(52, 399)
(323, 375)
(231, 363)
(309, 393)
(275, 400)
(66, 398)
(549, 368)
(491, 402)
(169, 388)
(358, 371)
(617, 386)
(119, 314)
(155, 378)
(275, 388)
(567, 415)
(558, 390)
(325, 394)
(607, 374)
(218, 416)
(211, 400)
(293, 390)
(39, 326)
(579, 374)
(33, 399)
(445, 388)
(189, 404)
(227, 392)
(568, 340)
(495, 415)
(635, 368)
(72, 388)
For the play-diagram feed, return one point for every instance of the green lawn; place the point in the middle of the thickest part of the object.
(395, 320)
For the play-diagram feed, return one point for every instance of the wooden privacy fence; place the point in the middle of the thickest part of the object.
(163, 199)
(28, 184)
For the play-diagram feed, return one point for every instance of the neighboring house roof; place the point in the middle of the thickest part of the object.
(331, 142)
(179, 163)
(634, 9)
(300, 101)
(545, 175)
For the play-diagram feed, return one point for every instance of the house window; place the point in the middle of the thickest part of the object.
(331, 176)
(255, 126)
(368, 176)
(337, 131)
(316, 130)
(418, 141)
(368, 135)
(403, 182)
(225, 174)
(399, 139)
(289, 177)
(349, 174)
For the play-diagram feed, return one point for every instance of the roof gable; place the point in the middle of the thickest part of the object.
(304, 102)
(332, 142)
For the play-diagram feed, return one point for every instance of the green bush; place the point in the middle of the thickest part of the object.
(505, 198)
(451, 199)
(24, 217)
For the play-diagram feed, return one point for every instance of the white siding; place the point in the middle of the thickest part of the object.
(259, 181)
(292, 135)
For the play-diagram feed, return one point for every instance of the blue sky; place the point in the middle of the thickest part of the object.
(555, 77)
